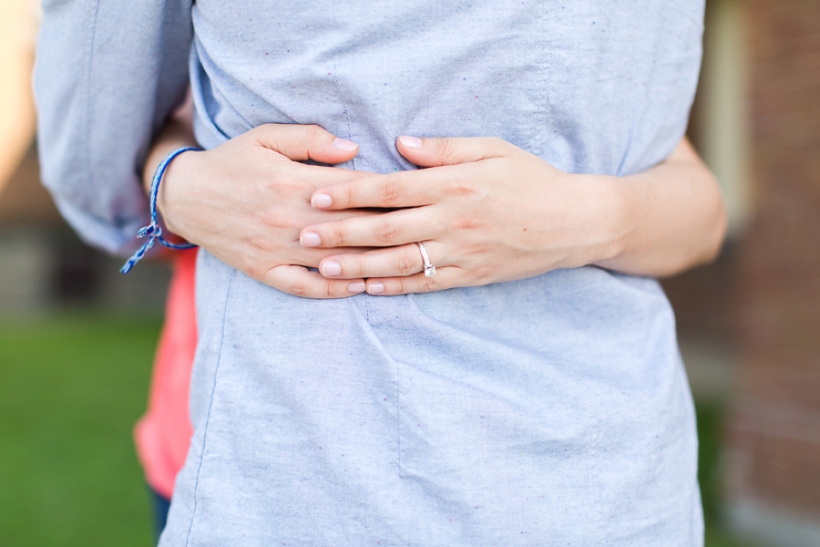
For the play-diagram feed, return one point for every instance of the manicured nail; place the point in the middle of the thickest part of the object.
(331, 269)
(310, 239)
(410, 142)
(344, 144)
(321, 201)
(356, 287)
(375, 288)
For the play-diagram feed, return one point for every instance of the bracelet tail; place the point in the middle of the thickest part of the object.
(153, 230)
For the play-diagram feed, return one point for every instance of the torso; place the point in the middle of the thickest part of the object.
(548, 411)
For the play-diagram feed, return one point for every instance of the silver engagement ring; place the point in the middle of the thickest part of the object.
(429, 269)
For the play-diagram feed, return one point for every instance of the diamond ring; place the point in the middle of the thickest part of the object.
(429, 269)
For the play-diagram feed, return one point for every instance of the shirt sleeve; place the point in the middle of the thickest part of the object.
(108, 74)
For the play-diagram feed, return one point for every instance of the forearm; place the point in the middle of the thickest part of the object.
(670, 217)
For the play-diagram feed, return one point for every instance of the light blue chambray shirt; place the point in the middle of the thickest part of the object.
(548, 411)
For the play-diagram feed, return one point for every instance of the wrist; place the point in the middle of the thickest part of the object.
(153, 232)
(172, 186)
(615, 217)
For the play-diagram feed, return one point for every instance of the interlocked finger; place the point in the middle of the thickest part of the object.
(401, 189)
(303, 142)
(445, 278)
(319, 175)
(400, 261)
(383, 230)
(299, 281)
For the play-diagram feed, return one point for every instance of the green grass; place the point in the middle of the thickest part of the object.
(71, 388)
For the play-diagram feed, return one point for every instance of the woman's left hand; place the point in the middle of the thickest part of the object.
(485, 210)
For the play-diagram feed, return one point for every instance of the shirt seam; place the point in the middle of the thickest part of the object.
(89, 99)
(210, 407)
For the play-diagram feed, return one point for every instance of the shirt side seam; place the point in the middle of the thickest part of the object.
(89, 98)
(210, 407)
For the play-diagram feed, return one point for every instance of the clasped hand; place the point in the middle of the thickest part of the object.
(486, 211)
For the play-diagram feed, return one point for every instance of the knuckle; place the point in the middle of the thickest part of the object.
(277, 220)
(313, 132)
(460, 187)
(463, 223)
(389, 192)
(360, 268)
(407, 265)
(481, 274)
(446, 149)
(338, 237)
(262, 243)
(281, 183)
(428, 284)
(258, 135)
(327, 290)
(253, 270)
(386, 233)
(347, 196)
(492, 146)
(298, 288)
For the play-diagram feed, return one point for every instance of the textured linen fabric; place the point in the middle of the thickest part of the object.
(548, 411)
(107, 75)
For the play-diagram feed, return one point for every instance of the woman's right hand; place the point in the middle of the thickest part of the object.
(246, 201)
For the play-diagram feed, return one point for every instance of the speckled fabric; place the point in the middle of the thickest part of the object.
(550, 411)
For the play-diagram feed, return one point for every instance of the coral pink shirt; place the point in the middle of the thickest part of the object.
(163, 434)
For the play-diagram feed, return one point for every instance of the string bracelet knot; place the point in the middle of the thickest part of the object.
(153, 231)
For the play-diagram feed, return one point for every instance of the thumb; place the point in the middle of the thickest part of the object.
(305, 142)
(450, 150)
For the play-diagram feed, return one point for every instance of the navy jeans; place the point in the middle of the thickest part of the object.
(159, 505)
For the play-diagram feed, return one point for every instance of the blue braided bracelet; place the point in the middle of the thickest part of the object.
(153, 230)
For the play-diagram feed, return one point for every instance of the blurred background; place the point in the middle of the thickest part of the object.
(77, 338)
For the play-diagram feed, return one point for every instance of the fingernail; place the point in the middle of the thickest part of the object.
(344, 144)
(331, 269)
(375, 288)
(356, 287)
(321, 201)
(310, 239)
(410, 142)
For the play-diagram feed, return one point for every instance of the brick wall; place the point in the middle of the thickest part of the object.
(773, 452)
